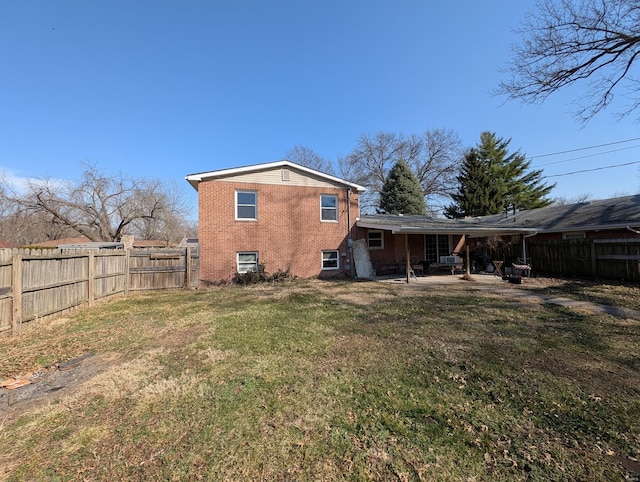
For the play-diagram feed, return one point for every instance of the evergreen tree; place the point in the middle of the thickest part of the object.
(401, 193)
(511, 184)
(477, 194)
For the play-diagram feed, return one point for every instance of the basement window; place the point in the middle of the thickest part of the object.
(330, 260)
(247, 261)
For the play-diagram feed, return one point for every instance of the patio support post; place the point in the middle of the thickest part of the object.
(467, 270)
(406, 245)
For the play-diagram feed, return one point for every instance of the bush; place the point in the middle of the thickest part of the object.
(261, 276)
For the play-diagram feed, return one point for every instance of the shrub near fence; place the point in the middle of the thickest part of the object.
(39, 284)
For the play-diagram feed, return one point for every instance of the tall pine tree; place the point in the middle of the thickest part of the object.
(401, 192)
(477, 193)
(511, 185)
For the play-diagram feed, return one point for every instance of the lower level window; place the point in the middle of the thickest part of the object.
(247, 261)
(330, 260)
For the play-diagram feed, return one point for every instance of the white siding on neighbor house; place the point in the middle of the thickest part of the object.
(275, 176)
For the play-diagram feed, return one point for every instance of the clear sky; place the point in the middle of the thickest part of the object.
(159, 88)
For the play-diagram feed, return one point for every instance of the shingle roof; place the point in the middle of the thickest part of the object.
(399, 224)
(614, 213)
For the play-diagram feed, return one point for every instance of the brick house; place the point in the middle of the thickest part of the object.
(280, 214)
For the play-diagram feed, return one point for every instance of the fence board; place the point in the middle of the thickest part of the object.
(40, 284)
(615, 259)
(6, 306)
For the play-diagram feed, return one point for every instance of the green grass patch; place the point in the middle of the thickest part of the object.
(332, 381)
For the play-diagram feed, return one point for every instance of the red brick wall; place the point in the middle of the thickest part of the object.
(288, 234)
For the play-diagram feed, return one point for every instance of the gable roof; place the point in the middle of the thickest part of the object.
(614, 213)
(195, 179)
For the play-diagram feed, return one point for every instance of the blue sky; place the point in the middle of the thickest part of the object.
(165, 88)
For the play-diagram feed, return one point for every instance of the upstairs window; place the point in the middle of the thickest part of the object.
(328, 207)
(246, 205)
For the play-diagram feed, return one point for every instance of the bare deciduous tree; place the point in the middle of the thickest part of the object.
(433, 158)
(594, 43)
(99, 206)
(307, 157)
(564, 200)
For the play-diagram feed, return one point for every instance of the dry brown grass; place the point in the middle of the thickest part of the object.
(328, 381)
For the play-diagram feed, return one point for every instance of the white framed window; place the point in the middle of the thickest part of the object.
(328, 207)
(375, 239)
(246, 205)
(330, 260)
(247, 261)
(574, 235)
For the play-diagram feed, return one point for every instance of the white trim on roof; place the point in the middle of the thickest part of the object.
(195, 179)
(585, 227)
(471, 231)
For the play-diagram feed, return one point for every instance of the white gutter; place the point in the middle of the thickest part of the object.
(633, 230)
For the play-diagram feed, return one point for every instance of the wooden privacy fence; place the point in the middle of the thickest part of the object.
(613, 259)
(39, 284)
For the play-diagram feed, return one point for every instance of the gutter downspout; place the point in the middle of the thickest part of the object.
(633, 230)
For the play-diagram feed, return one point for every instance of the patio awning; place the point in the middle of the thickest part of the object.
(471, 227)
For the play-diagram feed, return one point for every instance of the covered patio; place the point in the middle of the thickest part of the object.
(409, 241)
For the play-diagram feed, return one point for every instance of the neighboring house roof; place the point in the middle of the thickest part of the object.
(80, 242)
(151, 243)
(92, 245)
(614, 213)
(54, 243)
(195, 179)
(400, 224)
(7, 244)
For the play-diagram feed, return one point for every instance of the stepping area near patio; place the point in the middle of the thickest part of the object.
(498, 286)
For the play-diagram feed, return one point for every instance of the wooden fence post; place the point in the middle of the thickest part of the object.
(594, 260)
(92, 276)
(16, 289)
(187, 264)
(127, 267)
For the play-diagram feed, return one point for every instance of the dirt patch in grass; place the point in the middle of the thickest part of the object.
(49, 385)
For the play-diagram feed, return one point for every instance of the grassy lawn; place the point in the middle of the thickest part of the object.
(330, 381)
